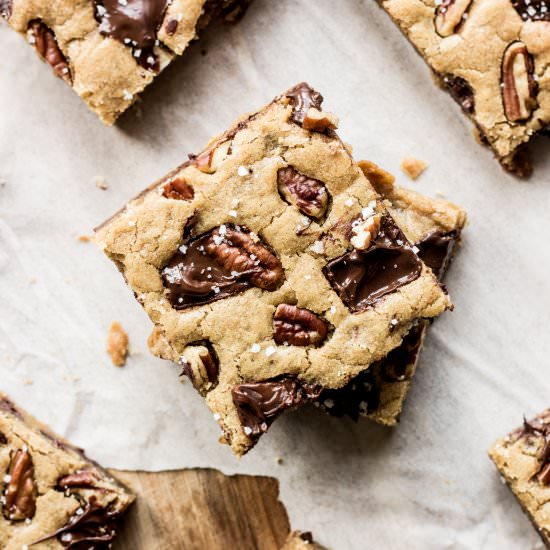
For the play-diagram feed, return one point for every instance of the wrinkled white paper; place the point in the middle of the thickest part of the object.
(427, 484)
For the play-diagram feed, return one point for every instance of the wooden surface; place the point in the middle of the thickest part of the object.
(202, 509)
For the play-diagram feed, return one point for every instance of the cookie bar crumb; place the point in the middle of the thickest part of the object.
(117, 344)
(84, 238)
(100, 183)
(413, 167)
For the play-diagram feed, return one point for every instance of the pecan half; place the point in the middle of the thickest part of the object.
(235, 251)
(178, 189)
(365, 231)
(309, 195)
(5, 8)
(47, 47)
(449, 15)
(297, 326)
(21, 492)
(303, 97)
(201, 365)
(519, 88)
(81, 479)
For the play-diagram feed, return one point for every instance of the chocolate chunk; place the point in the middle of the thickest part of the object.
(461, 92)
(360, 396)
(47, 47)
(396, 367)
(178, 189)
(309, 195)
(3, 439)
(21, 491)
(9, 407)
(532, 10)
(539, 428)
(5, 8)
(436, 251)
(218, 264)
(362, 277)
(260, 403)
(298, 327)
(171, 27)
(303, 98)
(91, 527)
(135, 23)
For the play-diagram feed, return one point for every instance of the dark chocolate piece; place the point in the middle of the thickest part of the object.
(258, 404)
(135, 23)
(218, 264)
(303, 98)
(532, 10)
(362, 277)
(539, 428)
(461, 92)
(362, 394)
(171, 27)
(3, 439)
(91, 527)
(436, 251)
(5, 8)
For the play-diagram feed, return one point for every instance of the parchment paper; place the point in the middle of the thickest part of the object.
(427, 484)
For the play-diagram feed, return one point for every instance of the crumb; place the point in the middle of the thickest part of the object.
(440, 194)
(117, 344)
(76, 378)
(28, 382)
(3, 182)
(279, 460)
(413, 167)
(84, 238)
(32, 280)
(381, 180)
(100, 183)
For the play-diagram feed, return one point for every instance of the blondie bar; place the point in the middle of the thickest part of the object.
(270, 266)
(51, 492)
(492, 57)
(109, 51)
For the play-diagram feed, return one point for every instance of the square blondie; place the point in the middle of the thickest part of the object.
(492, 57)
(52, 493)
(270, 266)
(109, 51)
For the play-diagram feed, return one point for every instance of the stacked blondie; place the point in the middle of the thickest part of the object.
(278, 271)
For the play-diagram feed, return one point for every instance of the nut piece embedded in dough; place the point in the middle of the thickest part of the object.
(364, 232)
(309, 195)
(178, 189)
(449, 15)
(319, 121)
(519, 88)
(297, 326)
(117, 344)
(45, 43)
(20, 493)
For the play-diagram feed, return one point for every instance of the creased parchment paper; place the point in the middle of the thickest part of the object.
(427, 484)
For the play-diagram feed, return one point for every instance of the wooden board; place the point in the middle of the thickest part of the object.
(200, 509)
